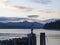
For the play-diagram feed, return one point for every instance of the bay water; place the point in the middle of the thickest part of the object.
(52, 36)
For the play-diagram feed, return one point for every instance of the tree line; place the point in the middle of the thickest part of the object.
(52, 25)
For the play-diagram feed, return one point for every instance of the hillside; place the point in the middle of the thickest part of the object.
(18, 25)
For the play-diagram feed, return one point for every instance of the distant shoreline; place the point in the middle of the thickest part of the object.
(20, 28)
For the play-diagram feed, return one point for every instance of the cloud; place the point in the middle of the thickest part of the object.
(42, 1)
(33, 16)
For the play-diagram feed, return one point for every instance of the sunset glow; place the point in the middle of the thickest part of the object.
(7, 10)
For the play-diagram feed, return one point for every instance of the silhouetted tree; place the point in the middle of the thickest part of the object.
(52, 25)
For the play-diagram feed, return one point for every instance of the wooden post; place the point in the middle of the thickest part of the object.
(42, 39)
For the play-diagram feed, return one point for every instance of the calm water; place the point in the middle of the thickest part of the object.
(52, 37)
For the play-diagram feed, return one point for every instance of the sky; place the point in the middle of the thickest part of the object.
(45, 9)
(52, 5)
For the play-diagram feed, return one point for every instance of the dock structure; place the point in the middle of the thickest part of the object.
(42, 38)
(31, 38)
